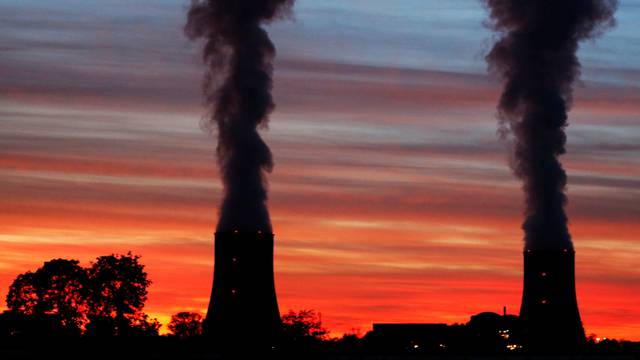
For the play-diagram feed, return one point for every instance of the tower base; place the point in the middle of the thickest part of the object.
(243, 310)
(549, 311)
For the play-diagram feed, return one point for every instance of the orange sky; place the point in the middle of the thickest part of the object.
(391, 199)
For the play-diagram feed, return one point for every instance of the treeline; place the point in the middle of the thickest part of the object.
(62, 298)
(106, 299)
(62, 301)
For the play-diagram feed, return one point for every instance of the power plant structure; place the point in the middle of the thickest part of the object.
(549, 310)
(243, 302)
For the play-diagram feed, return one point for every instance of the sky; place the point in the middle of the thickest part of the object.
(391, 199)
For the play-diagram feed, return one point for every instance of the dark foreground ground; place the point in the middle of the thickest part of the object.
(191, 349)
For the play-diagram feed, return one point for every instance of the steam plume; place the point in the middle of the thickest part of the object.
(237, 87)
(536, 57)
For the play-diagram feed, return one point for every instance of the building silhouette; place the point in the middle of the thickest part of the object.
(485, 333)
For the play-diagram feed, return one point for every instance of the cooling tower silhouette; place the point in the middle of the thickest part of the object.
(243, 303)
(549, 309)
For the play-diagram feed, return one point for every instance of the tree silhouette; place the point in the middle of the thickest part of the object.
(142, 325)
(117, 293)
(304, 326)
(186, 324)
(57, 290)
(24, 294)
(63, 298)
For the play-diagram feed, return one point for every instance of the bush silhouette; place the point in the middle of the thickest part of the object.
(303, 328)
(186, 324)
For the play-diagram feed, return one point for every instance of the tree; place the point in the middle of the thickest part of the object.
(117, 293)
(144, 326)
(305, 326)
(57, 291)
(186, 324)
(24, 294)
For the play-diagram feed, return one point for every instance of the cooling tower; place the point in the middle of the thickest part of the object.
(243, 308)
(549, 310)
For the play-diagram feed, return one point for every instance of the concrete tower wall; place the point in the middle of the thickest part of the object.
(243, 305)
(549, 310)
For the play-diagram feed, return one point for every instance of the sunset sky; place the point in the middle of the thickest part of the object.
(392, 199)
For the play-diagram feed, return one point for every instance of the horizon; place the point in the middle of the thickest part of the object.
(391, 197)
